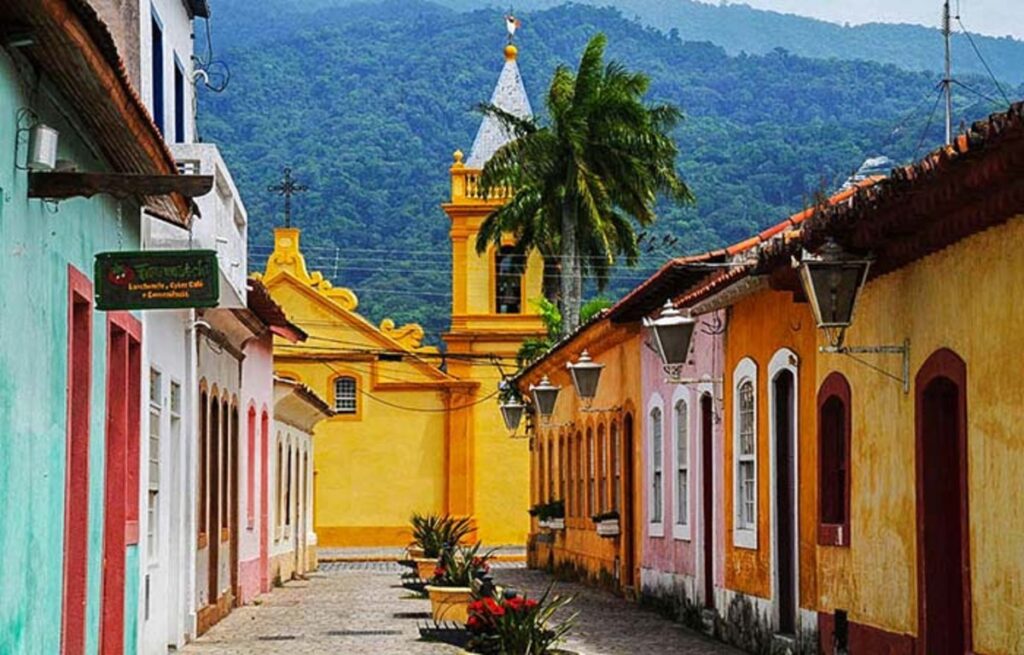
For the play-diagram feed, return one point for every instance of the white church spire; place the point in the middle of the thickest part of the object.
(510, 95)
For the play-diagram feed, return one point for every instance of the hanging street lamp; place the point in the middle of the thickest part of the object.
(832, 280)
(512, 412)
(544, 396)
(672, 333)
(586, 373)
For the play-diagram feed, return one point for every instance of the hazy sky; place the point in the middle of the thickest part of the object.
(994, 17)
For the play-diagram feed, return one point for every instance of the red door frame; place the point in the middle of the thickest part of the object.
(121, 505)
(943, 363)
(76, 480)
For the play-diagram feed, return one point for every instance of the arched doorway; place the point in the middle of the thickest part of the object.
(784, 431)
(943, 537)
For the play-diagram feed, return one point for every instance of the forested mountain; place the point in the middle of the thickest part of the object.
(740, 28)
(367, 103)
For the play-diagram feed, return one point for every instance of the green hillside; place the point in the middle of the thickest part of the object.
(740, 28)
(368, 102)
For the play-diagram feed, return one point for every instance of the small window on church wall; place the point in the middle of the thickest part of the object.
(508, 270)
(345, 395)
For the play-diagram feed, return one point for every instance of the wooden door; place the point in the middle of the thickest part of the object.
(235, 444)
(784, 501)
(629, 528)
(944, 607)
(708, 497)
(213, 506)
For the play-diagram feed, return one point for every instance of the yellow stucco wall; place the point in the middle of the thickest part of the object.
(496, 468)
(967, 298)
(375, 467)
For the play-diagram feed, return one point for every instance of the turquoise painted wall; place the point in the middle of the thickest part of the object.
(38, 243)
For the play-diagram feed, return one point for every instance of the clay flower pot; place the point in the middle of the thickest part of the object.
(425, 567)
(415, 552)
(450, 604)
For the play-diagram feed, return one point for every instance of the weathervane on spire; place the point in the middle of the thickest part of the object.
(287, 188)
(512, 24)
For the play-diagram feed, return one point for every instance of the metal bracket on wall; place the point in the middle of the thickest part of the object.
(853, 351)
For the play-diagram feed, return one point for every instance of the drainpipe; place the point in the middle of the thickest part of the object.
(191, 467)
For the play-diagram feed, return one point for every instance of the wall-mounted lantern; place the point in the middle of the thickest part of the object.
(585, 373)
(833, 280)
(512, 412)
(672, 333)
(544, 396)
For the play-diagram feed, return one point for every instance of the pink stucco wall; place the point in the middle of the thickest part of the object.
(672, 552)
(257, 394)
(249, 580)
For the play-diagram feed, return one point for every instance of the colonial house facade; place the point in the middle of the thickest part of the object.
(297, 411)
(72, 402)
(855, 487)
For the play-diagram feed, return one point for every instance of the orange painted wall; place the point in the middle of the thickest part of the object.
(759, 326)
(619, 393)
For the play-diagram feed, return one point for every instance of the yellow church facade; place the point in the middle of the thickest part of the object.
(409, 435)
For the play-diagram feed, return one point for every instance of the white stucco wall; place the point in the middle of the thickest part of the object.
(177, 37)
(165, 613)
(288, 543)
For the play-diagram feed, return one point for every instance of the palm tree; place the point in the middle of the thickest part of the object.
(581, 180)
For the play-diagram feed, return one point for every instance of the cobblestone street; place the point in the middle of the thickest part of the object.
(360, 607)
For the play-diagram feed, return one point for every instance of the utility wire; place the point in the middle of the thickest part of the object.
(977, 92)
(984, 63)
(928, 125)
(421, 410)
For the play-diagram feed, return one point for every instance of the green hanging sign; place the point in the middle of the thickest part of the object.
(157, 279)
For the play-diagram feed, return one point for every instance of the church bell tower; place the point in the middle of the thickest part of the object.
(493, 313)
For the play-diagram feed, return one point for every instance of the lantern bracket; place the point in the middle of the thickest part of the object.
(853, 351)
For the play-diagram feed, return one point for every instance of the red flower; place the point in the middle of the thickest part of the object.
(531, 604)
(440, 572)
(517, 604)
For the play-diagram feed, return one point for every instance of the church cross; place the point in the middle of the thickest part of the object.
(287, 188)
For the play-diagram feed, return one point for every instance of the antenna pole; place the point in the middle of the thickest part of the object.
(947, 81)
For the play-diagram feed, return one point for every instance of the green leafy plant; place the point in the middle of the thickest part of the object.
(613, 515)
(546, 511)
(436, 533)
(517, 625)
(461, 565)
(534, 349)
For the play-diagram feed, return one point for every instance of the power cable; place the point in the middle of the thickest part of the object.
(974, 46)
(928, 125)
(421, 410)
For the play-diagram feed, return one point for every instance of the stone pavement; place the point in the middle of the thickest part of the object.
(360, 607)
(370, 554)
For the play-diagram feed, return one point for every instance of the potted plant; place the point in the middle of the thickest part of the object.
(607, 523)
(451, 587)
(432, 534)
(516, 625)
(551, 515)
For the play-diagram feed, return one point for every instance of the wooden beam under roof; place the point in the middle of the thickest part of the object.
(59, 185)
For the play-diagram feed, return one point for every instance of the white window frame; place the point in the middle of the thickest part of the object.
(346, 409)
(655, 524)
(155, 434)
(682, 530)
(744, 536)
